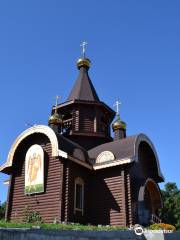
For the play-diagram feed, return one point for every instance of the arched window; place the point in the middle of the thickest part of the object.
(79, 195)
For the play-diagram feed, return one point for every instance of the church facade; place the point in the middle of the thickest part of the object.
(73, 170)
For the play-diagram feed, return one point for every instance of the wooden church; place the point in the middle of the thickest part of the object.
(73, 170)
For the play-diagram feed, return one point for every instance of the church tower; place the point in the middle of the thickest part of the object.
(85, 119)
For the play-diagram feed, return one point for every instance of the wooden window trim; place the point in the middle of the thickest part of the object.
(79, 181)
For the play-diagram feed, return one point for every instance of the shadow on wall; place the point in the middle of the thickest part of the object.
(105, 207)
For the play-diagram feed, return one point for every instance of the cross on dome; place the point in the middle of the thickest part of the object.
(83, 45)
(117, 105)
(57, 100)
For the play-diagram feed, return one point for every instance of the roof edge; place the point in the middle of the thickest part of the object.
(43, 129)
(144, 138)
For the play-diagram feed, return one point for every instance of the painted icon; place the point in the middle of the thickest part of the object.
(34, 170)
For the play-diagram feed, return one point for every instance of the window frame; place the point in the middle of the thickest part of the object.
(78, 181)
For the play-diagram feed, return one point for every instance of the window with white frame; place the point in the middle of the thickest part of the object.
(79, 195)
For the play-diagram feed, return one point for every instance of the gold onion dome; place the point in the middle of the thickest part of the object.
(83, 62)
(119, 124)
(55, 119)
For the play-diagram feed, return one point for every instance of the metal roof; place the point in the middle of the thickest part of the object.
(83, 88)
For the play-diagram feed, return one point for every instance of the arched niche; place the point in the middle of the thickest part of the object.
(149, 201)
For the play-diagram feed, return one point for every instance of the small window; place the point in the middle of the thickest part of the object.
(79, 195)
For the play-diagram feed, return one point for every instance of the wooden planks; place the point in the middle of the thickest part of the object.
(108, 197)
(47, 203)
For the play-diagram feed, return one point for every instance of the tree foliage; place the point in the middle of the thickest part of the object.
(2, 210)
(170, 213)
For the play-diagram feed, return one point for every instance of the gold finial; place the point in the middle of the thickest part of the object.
(117, 105)
(83, 61)
(83, 45)
(55, 118)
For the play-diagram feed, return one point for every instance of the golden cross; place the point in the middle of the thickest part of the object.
(117, 104)
(83, 45)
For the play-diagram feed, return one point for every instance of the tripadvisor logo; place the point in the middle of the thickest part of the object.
(138, 229)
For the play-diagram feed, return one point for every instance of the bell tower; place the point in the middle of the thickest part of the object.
(86, 120)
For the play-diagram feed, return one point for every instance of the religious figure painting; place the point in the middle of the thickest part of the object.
(34, 170)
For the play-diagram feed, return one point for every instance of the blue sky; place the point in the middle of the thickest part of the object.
(134, 47)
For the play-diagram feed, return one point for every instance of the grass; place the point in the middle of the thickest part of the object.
(34, 189)
(4, 224)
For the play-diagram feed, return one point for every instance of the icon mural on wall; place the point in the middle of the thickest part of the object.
(34, 170)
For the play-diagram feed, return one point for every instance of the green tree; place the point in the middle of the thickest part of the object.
(2, 210)
(170, 213)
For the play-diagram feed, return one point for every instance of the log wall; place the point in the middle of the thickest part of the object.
(48, 204)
